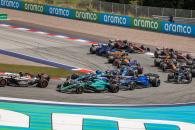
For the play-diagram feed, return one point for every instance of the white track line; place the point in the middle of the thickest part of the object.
(87, 104)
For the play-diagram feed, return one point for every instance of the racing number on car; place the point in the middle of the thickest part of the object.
(75, 122)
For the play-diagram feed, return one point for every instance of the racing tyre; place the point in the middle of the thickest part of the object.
(193, 72)
(92, 50)
(114, 88)
(58, 88)
(74, 76)
(148, 49)
(155, 82)
(189, 77)
(79, 90)
(132, 86)
(156, 62)
(110, 59)
(156, 54)
(164, 67)
(169, 77)
(3, 82)
(43, 84)
(140, 70)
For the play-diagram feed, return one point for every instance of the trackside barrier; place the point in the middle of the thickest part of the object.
(179, 29)
(58, 11)
(11, 4)
(86, 16)
(147, 24)
(115, 20)
(112, 19)
(3, 17)
(31, 7)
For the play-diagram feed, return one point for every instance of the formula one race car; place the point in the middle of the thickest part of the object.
(143, 81)
(128, 46)
(102, 49)
(166, 64)
(133, 48)
(132, 70)
(24, 80)
(165, 52)
(117, 55)
(182, 75)
(87, 83)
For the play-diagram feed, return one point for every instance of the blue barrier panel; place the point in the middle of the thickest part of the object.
(58, 11)
(12, 4)
(180, 29)
(115, 20)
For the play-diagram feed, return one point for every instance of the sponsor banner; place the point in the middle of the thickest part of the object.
(3, 17)
(58, 116)
(31, 7)
(85, 15)
(58, 11)
(181, 29)
(115, 20)
(147, 24)
(12, 4)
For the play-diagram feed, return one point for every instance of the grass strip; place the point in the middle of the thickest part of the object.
(53, 72)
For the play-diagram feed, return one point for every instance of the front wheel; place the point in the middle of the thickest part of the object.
(79, 90)
(3, 82)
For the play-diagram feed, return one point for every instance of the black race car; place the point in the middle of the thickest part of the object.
(24, 80)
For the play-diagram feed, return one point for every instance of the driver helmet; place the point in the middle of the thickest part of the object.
(21, 74)
(98, 72)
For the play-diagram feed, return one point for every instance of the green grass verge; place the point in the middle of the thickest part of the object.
(53, 72)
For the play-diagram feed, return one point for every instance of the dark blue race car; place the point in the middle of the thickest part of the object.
(102, 49)
(133, 82)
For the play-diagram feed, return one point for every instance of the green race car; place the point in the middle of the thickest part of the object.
(87, 83)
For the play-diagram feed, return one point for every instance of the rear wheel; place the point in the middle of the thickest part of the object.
(43, 84)
(193, 72)
(156, 62)
(113, 88)
(169, 77)
(155, 82)
(3, 82)
(79, 90)
(132, 86)
(156, 54)
(164, 67)
(189, 77)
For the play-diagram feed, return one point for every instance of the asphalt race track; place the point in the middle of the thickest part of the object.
(76, 54)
